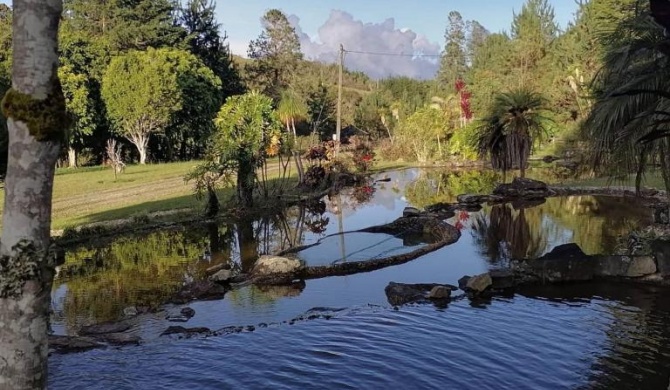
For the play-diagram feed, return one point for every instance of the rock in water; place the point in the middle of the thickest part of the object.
(68, 344)
(478, 284)
(187, 312)
(463, 282)
(185, 331)
(109, 327)
(641, 266)
(271, 265)
(440, 292)
(411, 212)
(130, 311)
(221, 276)
(501, 279)
(401, 293)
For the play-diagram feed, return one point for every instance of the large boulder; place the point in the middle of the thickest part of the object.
(523, 188)
(221, 276)
(625, 266)
(565, 263)
(273, 265)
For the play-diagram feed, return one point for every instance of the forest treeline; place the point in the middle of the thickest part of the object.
(154, 74)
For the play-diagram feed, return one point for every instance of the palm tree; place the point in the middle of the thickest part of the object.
(507, 134)
(291, 109)
(629, 126)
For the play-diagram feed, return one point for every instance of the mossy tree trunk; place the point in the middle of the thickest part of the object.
(34, 146)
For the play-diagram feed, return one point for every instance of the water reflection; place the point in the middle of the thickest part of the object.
(605, 337)
(595, 223)
(98, 282)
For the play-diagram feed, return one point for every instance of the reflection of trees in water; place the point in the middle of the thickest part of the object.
(594, 223)
(146, 270)
(505, 234)
(433, 186)
(140, 271)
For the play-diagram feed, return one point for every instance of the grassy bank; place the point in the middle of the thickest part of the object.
(89, 195)
(651, 180)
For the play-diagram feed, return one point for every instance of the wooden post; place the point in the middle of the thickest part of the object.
(339, 97)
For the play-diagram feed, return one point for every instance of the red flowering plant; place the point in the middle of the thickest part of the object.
(362, 153)
(461, 219)
(363, 194)
(318, 156)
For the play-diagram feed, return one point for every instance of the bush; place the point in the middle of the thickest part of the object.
(463, 143)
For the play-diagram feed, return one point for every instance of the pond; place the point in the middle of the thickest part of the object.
(595, 336)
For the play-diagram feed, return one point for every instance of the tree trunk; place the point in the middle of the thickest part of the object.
(295, 133)
(245, 183)
(24, 311)
(141, 142)
(143, 153)
(72, 157)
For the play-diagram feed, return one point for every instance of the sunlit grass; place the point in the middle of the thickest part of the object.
(87, 195)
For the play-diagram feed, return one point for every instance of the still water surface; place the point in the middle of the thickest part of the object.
(578, 337)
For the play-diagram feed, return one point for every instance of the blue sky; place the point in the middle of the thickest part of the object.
(387, 26)
(241, 19)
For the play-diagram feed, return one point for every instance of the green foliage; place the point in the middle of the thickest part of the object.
(276, 54)
(146, 91)
(291, 109)
(78, 103)
(206, 42)
(248, 130)
(463, 143)
(628, 125)
(143, 24)
(507, 133)
(321, 111)
(424, 132)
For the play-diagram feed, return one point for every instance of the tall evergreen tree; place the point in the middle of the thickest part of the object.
(205, 40)
(477, 35)
(276, 53)
(533, 31)
(140, 24)
(453, 63)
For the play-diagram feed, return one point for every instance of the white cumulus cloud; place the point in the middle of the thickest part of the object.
(385, 37)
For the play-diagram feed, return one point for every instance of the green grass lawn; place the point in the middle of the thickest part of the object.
(87, 195)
